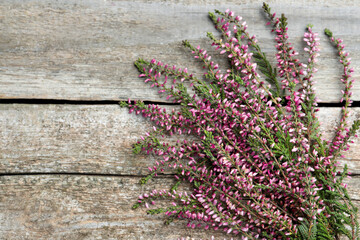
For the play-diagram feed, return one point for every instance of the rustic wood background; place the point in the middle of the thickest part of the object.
(66, 167)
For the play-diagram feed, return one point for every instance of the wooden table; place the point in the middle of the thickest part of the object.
(66, 167)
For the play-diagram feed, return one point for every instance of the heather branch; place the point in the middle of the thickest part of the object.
(250, 69)
(264, 145)
(250, 148)
(340, 140)
(157, 145)
(238, 57)
(310, 101)
(287, 65)
(240, 32)
(223, 151)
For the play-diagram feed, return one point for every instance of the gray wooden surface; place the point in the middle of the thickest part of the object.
(67, 171)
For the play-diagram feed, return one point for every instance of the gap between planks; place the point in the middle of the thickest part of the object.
(43, 101)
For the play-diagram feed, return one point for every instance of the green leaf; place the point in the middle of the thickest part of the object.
(328, 32)
(313, 231)
(123, 104)
(144, 180)
(303, 230)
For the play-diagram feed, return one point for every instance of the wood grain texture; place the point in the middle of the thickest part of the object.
(94, 139)
(81, 207)
(84, 207)
(84, 50)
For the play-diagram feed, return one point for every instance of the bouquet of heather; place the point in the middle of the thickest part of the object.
(256, 162)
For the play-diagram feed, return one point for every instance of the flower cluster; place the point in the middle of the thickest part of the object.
(253, 154)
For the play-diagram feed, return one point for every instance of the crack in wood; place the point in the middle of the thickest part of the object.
(160, 175)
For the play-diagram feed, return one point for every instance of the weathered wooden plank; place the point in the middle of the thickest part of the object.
(353, 187)
(70, 138)
(93, 139)
(83, 207)
(84, 50)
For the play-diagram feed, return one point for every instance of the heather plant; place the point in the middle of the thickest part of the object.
(253, 155)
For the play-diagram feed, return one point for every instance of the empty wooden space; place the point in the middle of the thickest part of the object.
(67, 170)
